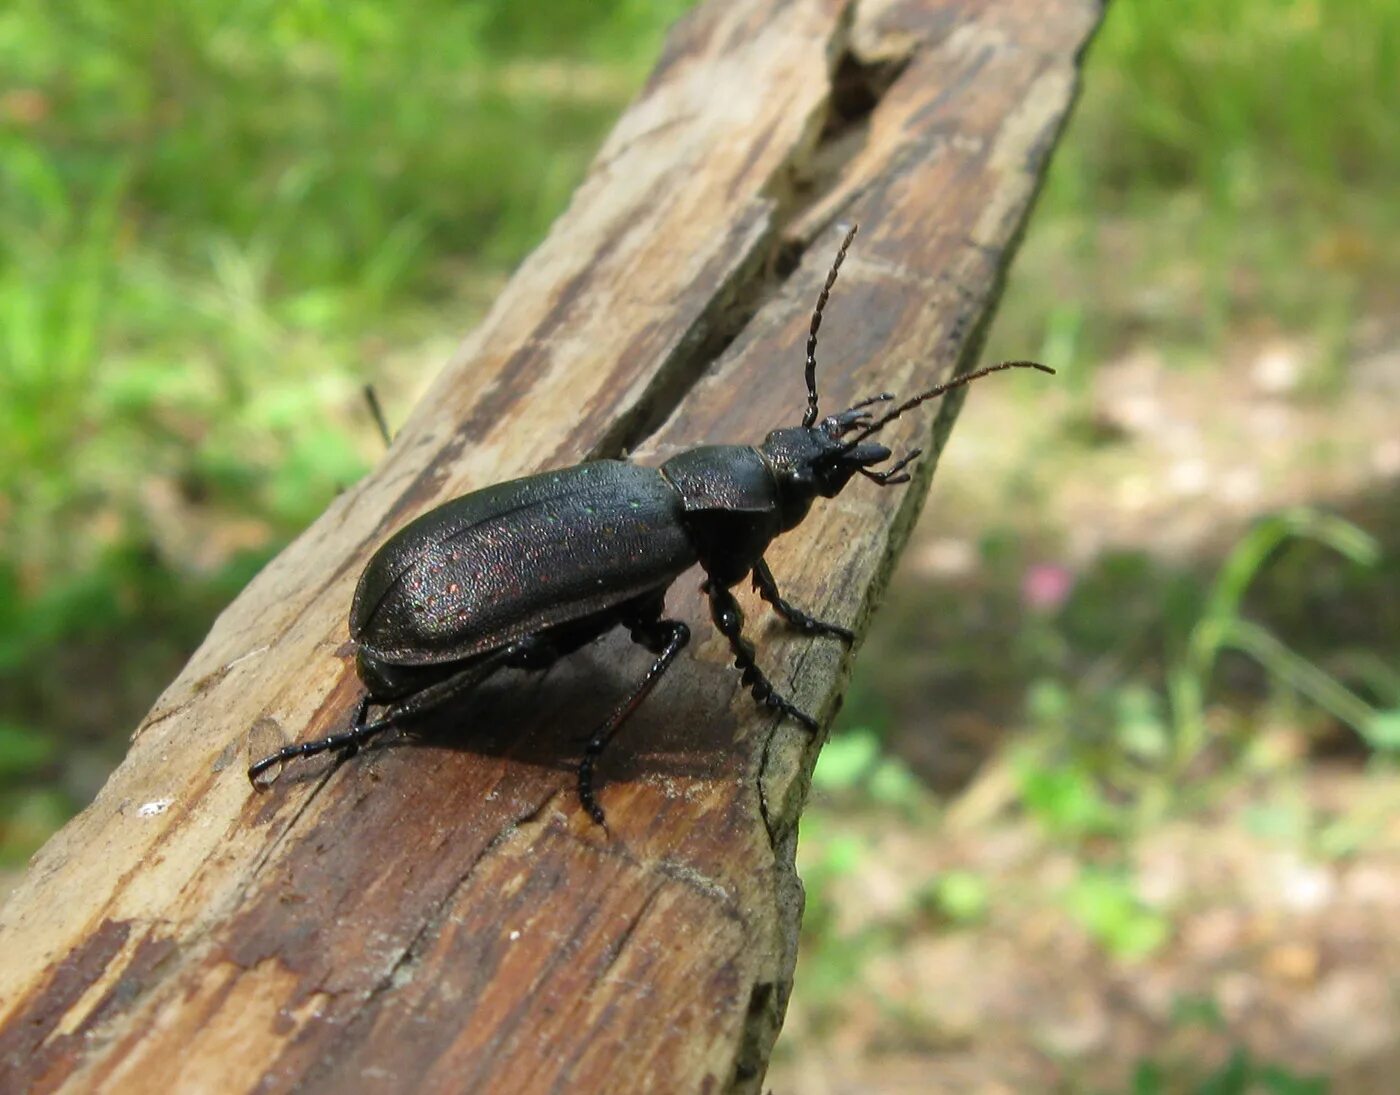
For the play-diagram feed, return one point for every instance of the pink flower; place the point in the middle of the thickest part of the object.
(1046, 586)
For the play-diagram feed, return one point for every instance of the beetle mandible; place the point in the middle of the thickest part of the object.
(522, 573)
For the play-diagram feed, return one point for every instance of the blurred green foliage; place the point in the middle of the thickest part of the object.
(1116, 749)
(1229, 165)
(856, 766)
(1105, 902)
(958, 897)
(1240, 1074)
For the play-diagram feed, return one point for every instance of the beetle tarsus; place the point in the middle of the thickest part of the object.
(729, 619)
(767, 587)
(895, 473)
(348, 743)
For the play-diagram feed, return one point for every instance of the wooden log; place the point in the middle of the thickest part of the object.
(442, 915)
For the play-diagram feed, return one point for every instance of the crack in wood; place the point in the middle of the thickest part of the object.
(809, 172)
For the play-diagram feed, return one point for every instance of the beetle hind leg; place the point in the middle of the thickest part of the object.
(433, 696)
(729, 618)
(665, 639)
(348, 743)
(767, 587)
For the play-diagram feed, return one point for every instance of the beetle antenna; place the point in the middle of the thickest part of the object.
(923, 397)
(810, 418)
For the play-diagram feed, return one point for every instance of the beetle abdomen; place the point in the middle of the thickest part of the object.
(501, 563)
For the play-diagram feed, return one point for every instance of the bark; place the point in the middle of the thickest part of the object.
(440, 914)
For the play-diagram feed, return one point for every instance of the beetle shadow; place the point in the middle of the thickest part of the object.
(544, 718)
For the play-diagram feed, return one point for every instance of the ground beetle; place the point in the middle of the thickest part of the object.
(522, 573)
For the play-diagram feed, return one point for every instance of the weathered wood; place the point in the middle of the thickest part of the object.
(444, 916)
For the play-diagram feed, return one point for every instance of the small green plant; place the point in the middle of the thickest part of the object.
(957, 897)
(1065, 798)
(1221, 627)
(1106, 905)
(831, 961)
(1239, 1074)
(1112, 753)
(854, 762)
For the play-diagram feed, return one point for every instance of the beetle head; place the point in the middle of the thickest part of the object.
(813, 461)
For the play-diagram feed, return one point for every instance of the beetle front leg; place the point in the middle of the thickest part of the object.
(767, 587)
(729, 618)
(665, 639)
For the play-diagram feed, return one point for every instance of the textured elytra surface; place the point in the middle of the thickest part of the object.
(510, 560)
(442, 915)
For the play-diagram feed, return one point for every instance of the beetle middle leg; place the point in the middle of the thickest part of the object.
(665, 639)
(767, 587)
(729, 618)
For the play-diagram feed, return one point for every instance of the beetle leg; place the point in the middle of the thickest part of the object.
(729, 618)
(767, 587)
(665, 639)
(357, 724)
(892, 476)
(349, 741)
(360, 731)
(443, 691)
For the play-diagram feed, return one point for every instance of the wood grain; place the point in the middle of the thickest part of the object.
(441, 915)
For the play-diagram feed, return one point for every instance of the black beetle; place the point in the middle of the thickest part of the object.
(522, 573)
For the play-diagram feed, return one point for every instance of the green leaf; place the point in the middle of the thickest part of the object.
(961, 896)
(1107, 907)
(1064, 799)
(1382, 730)
(846, 760)
(892, 784)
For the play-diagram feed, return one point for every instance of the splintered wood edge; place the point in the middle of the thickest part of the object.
(445, 918)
